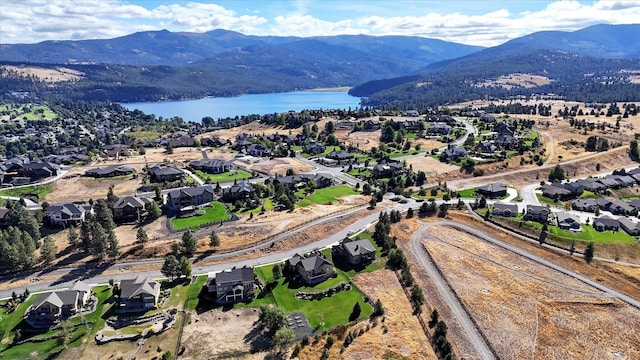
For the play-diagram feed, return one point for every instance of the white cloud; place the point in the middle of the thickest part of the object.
(37, 20)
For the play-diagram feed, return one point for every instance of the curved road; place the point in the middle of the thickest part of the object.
(472, 332)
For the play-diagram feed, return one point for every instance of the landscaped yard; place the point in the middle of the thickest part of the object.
(40, 190)
(224, 177)
(214, 213)
(588, 233)
(81, 327)
(327, 196)
(267, 205)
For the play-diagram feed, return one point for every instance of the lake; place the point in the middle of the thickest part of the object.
(223, 107)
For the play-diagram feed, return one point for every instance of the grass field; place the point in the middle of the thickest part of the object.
(29, 112)
(216, 212)
(589, 234)
(224, 177)
(267, 204)
(327, 196)
(40, 190)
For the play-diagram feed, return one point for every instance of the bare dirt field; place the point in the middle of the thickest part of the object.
(529, 311)
(517, 80)
(254, 128)
(277, 166)
(230, 334)
(430, 166)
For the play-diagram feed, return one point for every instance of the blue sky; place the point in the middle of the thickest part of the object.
(475, 22)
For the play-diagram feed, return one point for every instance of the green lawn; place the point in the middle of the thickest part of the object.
(322, 314)
(399, 153)
(360, 172)
(224, 177)
(589, 234)
(327, 196)
(267, 204)
(216, 212)
(40, 190)
(467, 193)
(94, 323)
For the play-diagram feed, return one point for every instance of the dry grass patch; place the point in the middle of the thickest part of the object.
(277, 166)
(515, 301)
(430, 166)
(54, 75)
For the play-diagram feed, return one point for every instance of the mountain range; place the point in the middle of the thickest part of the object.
(158, 65)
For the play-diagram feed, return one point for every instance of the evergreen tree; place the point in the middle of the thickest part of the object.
(185, 267)
(73, 237)
(189, 243)
(99, 243)
(48, 250)
(141, 236)
(113, 246)
(634, 153)
(170, 267)
(214, 239)
(588, 253)
(154, 210)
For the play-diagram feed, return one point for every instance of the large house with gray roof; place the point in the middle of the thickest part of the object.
(231, 286)
(138, 294)
(311, 269)
(67, 213)
(355, 252)
(190, 197)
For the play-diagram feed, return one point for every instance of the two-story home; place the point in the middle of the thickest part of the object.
(492, 191)
(50, 308)
(109, 171)
(138, 294)
(159, 173)
(213, 166)
(355, 252)
(67, 214)
(231, 286)
(190, 197)
(537, 213)
(129, 208)
(239, 191)
(312, 268)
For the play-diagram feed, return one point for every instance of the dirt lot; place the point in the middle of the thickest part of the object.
(277, 166)
(252, 128)
(48, 75)
(529, 311)
(430, 166)
(231, 334)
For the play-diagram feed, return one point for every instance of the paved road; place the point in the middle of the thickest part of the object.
(471, 331)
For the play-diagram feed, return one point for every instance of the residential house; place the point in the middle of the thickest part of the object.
(412, 126)
(138, 294)
(556, 192)
(109, 171)
(231, 286)
(605, 223)
(66, 214)
(187, 199)
(488, 118)
(387, 168)
(411, 113)
(182, 141)
(438, 129)
(291, 181)
(38, 169)
(50, 308)
(212, 166)
(161, 173)
(619, 207)
(610, 182)
(537, 213)
(258, 150)
(239, 191)
(314, 149)
(503, 128)
(340, 155)
(591, 184)
(487, 147)
(131, 208)
(506, 141)
(117, 150)
(505, 210)
(312, 268)
(632, 228)
(588, 205)
(624, 180)
(492, 191)
(355, 252)
(371, 125)
(568, 221)
(454, 153)
(213, 141)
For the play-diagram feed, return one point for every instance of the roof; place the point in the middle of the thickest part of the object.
(52, 298)
(191, 191)
(504, 206)
(628, 224)
(313, 262)
(358, 247)
(537, 209)
(493, 188)
(81, 286)
(169, 170)
(243, 274)
(132, 201)
(68, 208)
(606, 221)
(565, 217)
(134, 287)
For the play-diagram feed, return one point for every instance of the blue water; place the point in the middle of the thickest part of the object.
(195, 110)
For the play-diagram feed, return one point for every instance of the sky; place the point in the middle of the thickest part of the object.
(472, 22)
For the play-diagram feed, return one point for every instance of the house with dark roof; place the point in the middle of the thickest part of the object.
(231, 286)
(138, 294)
(588, 205)
(117, 150)
(50, 308)
(505, 210)
(438, 129)
(109, 171)
(312, 268)
(340, 155)
(492, 191)
(213, 141)
(623, 179)
(355, 252)
(605, 223)
(454, 153)
(387, 168)
(161, 173)
(537, 213)
(66, 214)
(38, 169)
(619, 207)
(314, 149)
(182, 141)
(239, 191)
(129, 208)
(214, 166)
(188, 198)
(506, 141)
(556, 192)
(632, 228)
(591, 184)
(568, 221)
